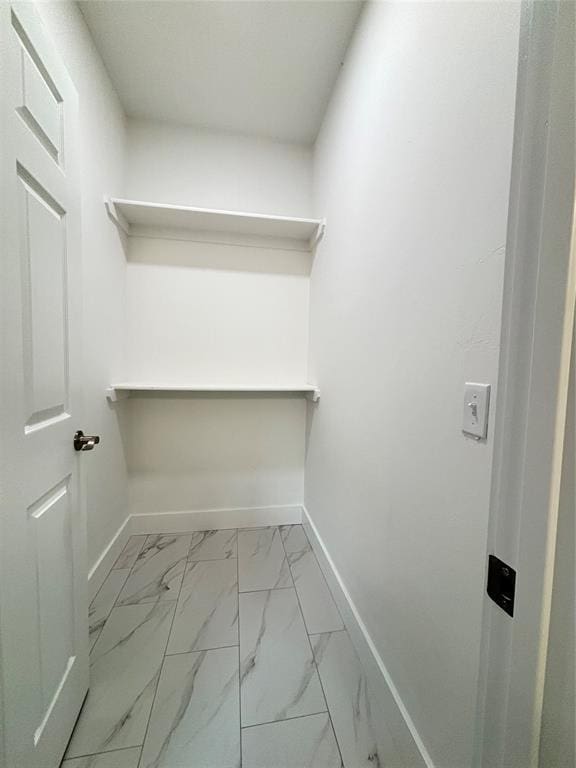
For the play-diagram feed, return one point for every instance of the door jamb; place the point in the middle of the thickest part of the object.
(536, 341)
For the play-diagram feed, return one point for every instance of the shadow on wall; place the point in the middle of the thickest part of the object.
(218, 256)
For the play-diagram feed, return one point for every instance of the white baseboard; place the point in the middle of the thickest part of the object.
(181, 522)
(213, 519)
(102, 566)
(407, 741)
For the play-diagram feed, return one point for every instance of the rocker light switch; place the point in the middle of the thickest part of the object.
(476, 401)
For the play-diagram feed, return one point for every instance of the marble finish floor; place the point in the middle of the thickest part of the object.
(222, 649)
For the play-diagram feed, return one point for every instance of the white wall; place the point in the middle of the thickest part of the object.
(412, 171)
(168, 163)
(102, 145)
(215, 313)
(219, 452)
(209, 312)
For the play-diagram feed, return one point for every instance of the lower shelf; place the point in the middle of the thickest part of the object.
(119, 391)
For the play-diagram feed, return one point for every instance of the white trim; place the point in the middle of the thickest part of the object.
(182, 522)
(213, 519)
(404, 732)
(108, 557)
(537, 323)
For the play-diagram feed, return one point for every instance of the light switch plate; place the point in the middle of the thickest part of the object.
(476, 403)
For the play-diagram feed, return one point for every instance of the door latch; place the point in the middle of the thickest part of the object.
(501, 585)
(84, 442)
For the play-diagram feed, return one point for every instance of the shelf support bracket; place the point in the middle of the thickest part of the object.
(318, 235)
(114, 395)
(116, 216)
(314, 396)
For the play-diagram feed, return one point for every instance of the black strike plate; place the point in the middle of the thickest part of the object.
(501, 584)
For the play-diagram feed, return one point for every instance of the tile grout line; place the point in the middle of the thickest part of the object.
(206, 559)
(97, 754)
(158, 602)
(176, 600)
(114, 605)
(146, 537)
(200, 650)
(325, 580)
(153, 602)
(286, 719)
(169, 655)
(114, 567)
(266, 589)
(312, 652)
(275, 530)
(111, 607)
(310, 549)
(163, 656)
(239, 655)
(188, 533)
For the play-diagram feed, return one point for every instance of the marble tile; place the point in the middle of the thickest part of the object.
(158, 570)
(294, 538)
(318, 606)
(104, 602)
(213, 545)
(304, 742)
(262, 562)
(345, 686)
(207, 611)
(195, 720)
(278, 678)
(124, 670)
(122, 758)
(127, 557)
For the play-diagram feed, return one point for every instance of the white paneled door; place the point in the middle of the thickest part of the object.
(43, 616)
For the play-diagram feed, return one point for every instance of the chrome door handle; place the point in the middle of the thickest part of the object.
(84, 442)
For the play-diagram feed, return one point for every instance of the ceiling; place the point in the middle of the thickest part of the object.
(265, 68)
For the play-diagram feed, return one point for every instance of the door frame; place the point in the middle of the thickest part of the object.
(536, 341)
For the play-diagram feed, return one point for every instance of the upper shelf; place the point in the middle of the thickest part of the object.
(134, 216)
(121, 390)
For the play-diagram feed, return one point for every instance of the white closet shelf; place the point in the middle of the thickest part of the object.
(119, 391)
(138, 217)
